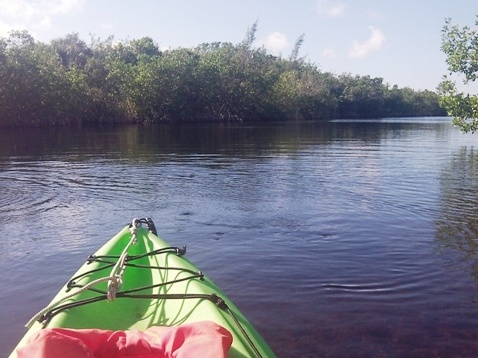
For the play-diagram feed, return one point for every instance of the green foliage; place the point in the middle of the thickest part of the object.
(295, 51)
(73, 52)
(106, 81)
(35, 89)
(460, 45)
(250, 37)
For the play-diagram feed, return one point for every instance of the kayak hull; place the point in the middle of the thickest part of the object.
(160, 287)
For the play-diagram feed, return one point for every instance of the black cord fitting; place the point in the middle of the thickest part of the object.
(218, 301)
(181, 251)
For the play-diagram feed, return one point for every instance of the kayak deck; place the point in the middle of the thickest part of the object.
(160, 287)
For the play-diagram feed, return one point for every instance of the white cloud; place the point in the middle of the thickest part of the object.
(21, 14)
(16, 9)
(330, 8)
(276, 42)
(329, 53)
(373, 43)
(5, 29)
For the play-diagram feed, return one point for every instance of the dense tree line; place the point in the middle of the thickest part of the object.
(70, 81)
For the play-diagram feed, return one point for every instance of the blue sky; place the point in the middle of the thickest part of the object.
(398, 40)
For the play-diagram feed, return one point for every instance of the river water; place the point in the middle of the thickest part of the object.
(335, 239)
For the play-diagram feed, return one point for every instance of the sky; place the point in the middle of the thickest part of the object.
(397, 40)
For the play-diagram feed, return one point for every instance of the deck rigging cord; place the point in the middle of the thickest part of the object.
(114, 281)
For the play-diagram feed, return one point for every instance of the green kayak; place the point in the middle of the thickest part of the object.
(137, 281)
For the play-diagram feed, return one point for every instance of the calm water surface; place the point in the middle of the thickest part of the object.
(336, 239)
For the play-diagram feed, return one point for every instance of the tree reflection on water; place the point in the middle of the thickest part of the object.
(457, 227)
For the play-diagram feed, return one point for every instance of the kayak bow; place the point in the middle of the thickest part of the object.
(136, 281)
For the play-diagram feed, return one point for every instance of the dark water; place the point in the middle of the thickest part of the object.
(335, 239)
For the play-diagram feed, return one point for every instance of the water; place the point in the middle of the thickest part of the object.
(335, 239)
